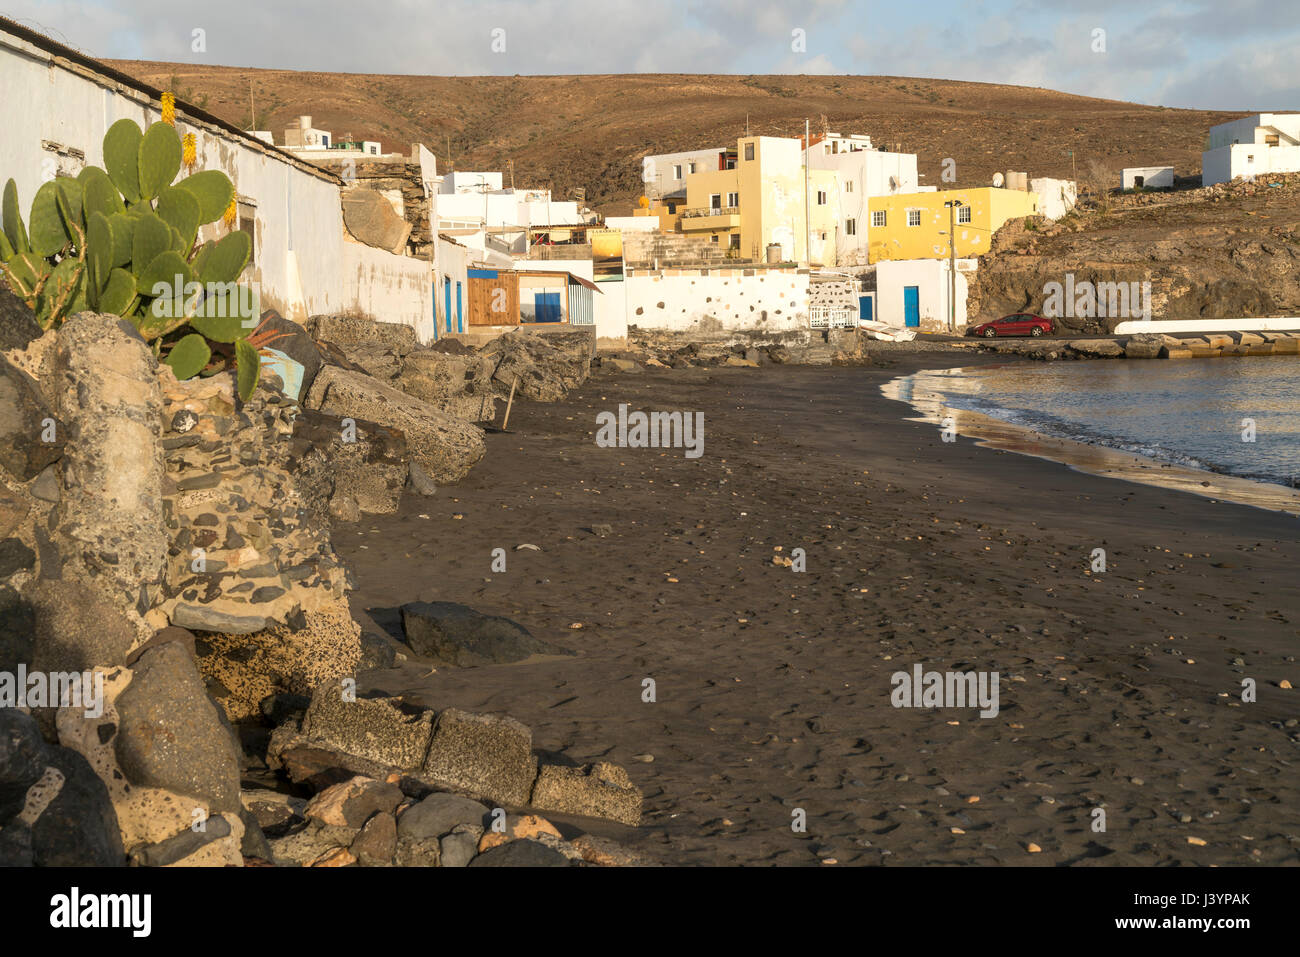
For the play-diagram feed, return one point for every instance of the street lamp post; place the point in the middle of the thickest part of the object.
(952, 205)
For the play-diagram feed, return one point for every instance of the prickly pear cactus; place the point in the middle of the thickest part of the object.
(124, 240)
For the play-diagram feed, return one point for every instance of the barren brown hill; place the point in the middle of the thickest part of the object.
(591, 131)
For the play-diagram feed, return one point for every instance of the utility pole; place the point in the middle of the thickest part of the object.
(510, 165)
(807, 201)
(952, 205)
(252, 108)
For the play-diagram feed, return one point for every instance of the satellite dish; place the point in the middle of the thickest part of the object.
(997, 179)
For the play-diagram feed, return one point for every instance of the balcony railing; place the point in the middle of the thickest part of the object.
(711, 211)
(832, 317)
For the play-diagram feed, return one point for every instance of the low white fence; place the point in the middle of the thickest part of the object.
(832, 317)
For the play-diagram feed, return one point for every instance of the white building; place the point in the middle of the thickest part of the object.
(310, 143)
(465, 181)
(1146, 177)
(1252, 146)
(915, 293)
(863, 172)
(58, 105)
(665, 174)
(1056, 197)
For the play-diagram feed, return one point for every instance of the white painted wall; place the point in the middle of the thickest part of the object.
(682, 299)
(633, 224)
(299, 236)
(1153, 177)
(464, 181)
(453, 267)
(658, 173)
(1226, 163)
(1056, 197)
(862, 174)
(931, 277)
(388, 288)
(611, 314)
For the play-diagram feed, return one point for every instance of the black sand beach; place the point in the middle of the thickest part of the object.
(1118, 691)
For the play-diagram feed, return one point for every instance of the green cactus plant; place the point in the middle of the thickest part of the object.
(125, 240)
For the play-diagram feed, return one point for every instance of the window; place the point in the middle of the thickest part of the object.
(749, 151)
(848, 186)
(914, 217)
(248, 224)
(733, 200)
(714, 239)
(878, 217)
(1271, 139)
(690, 167)
(735, 240)
(821, 197)
(677, 172)
(963, 214)
(851, 227)
(715, 201)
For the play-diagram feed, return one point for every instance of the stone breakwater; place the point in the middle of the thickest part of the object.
(175, 542)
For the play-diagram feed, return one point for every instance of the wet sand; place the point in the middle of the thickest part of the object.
(1119, 691)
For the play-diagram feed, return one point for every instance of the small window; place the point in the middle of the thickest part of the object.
(715, 201)
(963, 214)
(914, 217)
(690, 167)
(1271, 139)
(821, 197)
(878, 217)
(677, 172)
(248, 224)
(714, 239)
(733, 200)
(749, 151)
(851, 227)
(848, 186)
(735, 240)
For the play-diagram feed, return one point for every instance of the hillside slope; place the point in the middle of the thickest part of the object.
(567, 132)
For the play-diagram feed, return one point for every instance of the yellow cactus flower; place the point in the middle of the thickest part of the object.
(169, 109)
(191, 151)
(232, 212)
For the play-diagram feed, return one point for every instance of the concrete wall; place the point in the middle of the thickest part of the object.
(990, 208)
(1056, 197)
(862, 174)
(1153, 177)
(388, 288)
(717, 299)
(1226, 163)
(931, 277)
(453, 268)
(299, 219)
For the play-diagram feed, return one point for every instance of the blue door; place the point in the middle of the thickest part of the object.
(460, 318)
(912, 306)
(446, 302)
(548, 307)
(864, 308)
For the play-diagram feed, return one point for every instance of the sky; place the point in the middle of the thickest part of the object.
(1239, 55)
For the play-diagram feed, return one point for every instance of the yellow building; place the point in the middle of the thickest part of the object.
(762, 202)
(915, 225)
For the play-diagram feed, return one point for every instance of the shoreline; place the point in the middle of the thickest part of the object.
(988, 431)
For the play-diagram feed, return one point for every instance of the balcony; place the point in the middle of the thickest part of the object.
(710, 219)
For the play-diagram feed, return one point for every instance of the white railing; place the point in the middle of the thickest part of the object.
(832, 317)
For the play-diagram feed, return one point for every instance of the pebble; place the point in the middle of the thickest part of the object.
(1033, 848)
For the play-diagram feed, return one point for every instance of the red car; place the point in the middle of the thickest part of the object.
(1019, 324)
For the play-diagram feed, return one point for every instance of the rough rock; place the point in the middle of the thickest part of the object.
(377, 729)
(444, 446)
(376, 844)
(599, 790)
(31, 437)
(545, 366)
(182, 845)
(311, 843)
(310, 651)
(523, 853)
(1100, 348)
(359, 460)
(460, 385)
(372, 220)
(77, 626)
(352, 803)
(79, 826)
(111, 505)
(17, 627)
(453, 634)
(22, 760)
(438, 814)
(171, 734)
(485, 756)
(18, 326)
(457, 849)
